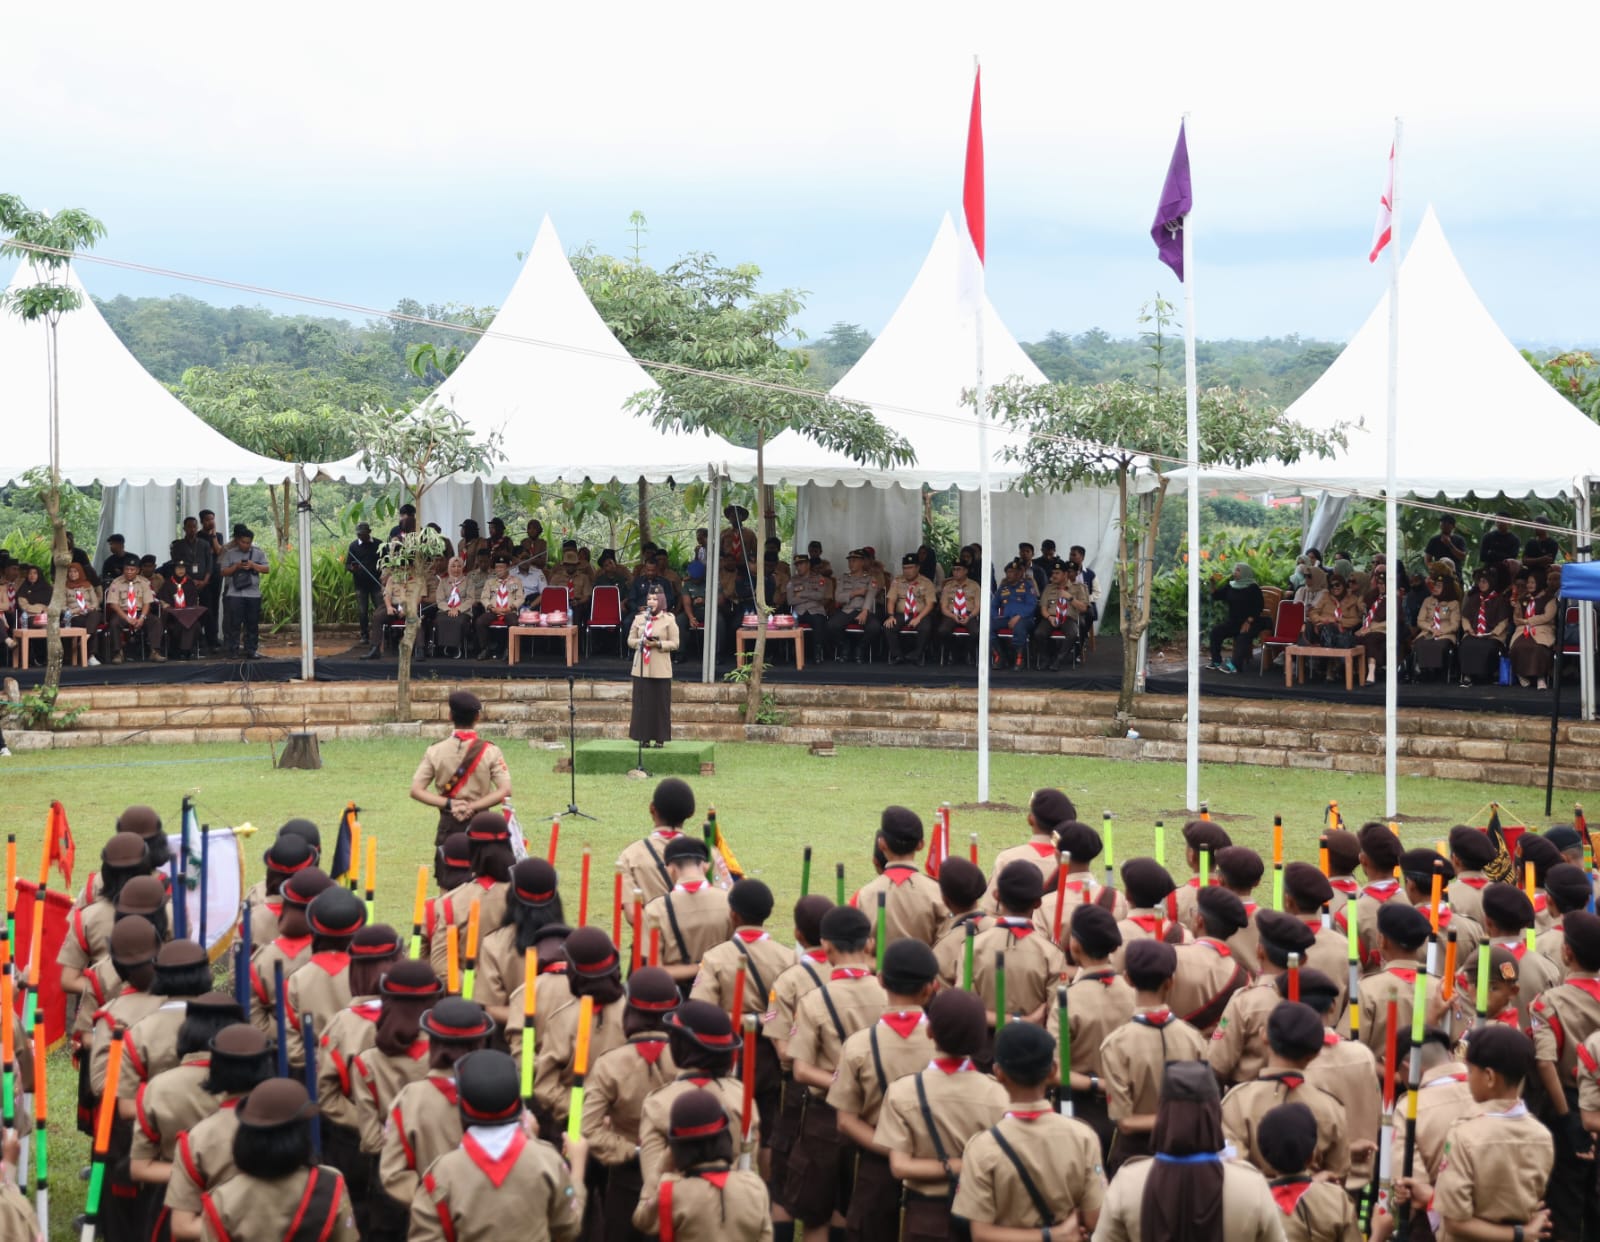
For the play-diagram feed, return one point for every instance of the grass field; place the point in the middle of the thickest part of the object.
(771, 802)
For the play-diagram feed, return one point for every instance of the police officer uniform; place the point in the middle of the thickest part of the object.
(808, 594)
(857, 593)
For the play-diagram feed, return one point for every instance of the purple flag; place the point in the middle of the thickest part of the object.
(1177, 200)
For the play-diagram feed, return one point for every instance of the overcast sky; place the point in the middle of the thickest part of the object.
(368, 152)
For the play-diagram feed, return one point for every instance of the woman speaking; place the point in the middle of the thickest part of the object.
(654, 637)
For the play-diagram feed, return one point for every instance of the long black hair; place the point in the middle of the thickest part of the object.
(114, 879)
(692, 1153)
(493, 859)
(157, 919)
(234, 1075)
(273, 1152)
(183, 980)
(202, 1024)
(528, 920)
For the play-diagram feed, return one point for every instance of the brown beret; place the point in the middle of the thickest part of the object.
(1307, 885)
(144, 894)
(1380, 845)
(1201, 834)
(276, 1102)
(125, 849)
(1344, 851)
(1240, 866)
(1472, 846)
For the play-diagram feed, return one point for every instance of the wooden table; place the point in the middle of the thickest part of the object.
(795, 635)
(516, 633)
(1355, 662)
(28, 636)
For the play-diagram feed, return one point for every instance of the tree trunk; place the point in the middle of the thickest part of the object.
(752, 701)
(408, 644)
(767, 498)
(60, 558)
(644, 514)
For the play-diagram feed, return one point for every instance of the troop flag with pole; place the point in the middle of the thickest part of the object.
(1177, 201)
(345, 858)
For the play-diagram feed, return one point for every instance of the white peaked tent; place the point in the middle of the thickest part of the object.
(551, 377)
(119, 427)
(1474, 416)
(914, 376)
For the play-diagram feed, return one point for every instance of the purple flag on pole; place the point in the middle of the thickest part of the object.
(1177, 199)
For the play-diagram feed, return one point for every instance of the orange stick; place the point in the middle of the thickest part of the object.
(1433, 900)
(452, 947)
(737, 1008)
(580, 1058)
(474, 924)
(36, 940)
(583, 890)
(655, 946)
(1062, 859)
(638, 925)
(1447, 985)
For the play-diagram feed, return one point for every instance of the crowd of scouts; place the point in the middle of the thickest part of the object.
(904, 1076)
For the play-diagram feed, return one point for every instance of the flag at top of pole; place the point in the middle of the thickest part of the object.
(972, 181)
(1383, 230)
(972, 297)
(1177, 200)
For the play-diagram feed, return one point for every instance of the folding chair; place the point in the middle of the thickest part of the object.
(605, 613)
(1287, 630)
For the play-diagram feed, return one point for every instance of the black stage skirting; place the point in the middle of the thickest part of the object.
(1100, 672)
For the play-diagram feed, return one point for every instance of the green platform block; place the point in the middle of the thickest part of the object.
(613, 758)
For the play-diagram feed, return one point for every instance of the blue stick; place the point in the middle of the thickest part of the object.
(308, 1040)
(241, 974)
(280, 1015)
(205, 858)
(183, 864)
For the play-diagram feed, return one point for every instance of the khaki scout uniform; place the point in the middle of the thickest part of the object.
(1548, 944)
(88, 936)
(959, 604)
(502, 596)
(1396, 982)
(121, 615)
(692, 920)
(1145, 924)
(1098, 1002)
(1466, 894)
(1247, 1204)
(752, 952)
(1081, 888)
(248, 1209)
(500, 967)
(644, 866)
(1038, 851)
(907, 602)
(1535, 974)
(378, 1079)
(102, 984)
(1247, 940)
(1347, 1070)
(1315, 1211)
(151, 1046)
(618, 1084)
(1061, 1156)
(294, 952)
(1245, 1105)
(1495, 1166)
(1134, 1058)
(170, 1103)
(1207, 976)
(423, 1124)
(469, 1194)
(264, 922)
(895, 1045)
(653, 1121)
(1329, 953)
(713, 1203)
(557, 1044)
(439, 767)
(913, 908)
(962, 1102)
(1033, 966)
(1063, 609)
(204, 1158)
(1238, 1047)
(1374, 897)
(350, 1033)
(1562, 1019)
(792, 986)
(322, 989)
(950, 950)
(1469, 935)
(125, 1009)
(455, 909)
(1444, 1099)
(551, 990)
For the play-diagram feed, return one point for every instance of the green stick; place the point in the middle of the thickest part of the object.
(1105, 835)
(1064, 1100)
(999, 990)
(1161, 843)
(1483, 984)
(1205, 866)
(966, 973)
(805, 873)
(838, 883)
(883, 926)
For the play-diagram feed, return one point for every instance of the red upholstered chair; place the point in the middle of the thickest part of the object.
(605, 613)
(555, 599)
(1287, 629)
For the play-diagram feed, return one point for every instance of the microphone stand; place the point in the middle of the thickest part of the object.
(572, 811)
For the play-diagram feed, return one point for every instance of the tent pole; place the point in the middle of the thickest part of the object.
(1391, 511)
(308, 653)
(985, 536)
(1191, 450)
(713, 599)
(1584, 512)
(1555, 706)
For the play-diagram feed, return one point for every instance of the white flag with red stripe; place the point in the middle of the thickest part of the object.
(1383, 230)
(972, 204)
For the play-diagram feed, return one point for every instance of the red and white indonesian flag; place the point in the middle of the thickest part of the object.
(1383, 230)
(972, 251)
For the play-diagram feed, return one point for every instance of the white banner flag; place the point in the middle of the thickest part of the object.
(221, 887)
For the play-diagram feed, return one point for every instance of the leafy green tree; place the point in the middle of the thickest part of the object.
(288, 415)
(1119, 431)
(60, 236)
(700, 314)
(1574, 374)
(412, 450)
(837, 350)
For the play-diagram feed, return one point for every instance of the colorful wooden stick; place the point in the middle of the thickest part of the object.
(616, 908)
(452, 959)
(747, 1110)
(1322, 855)
(1063, 861)
(1105, 837)
(372, 872)
(805, 873)
(1064, 1053)
(1205, 866)
(205, 859)
(1294, 976)
(8, 1052)
(1386, 1130)
(974, 849)
(1447, 985)
(966, 970)
(1419, 1005)
(1161, 843)
(736, 1009)
(530, 997)
(41, 1121)
(583, 890)
(102, 1137)
(1277, 862)
(280, 1017)
(352, 870)
(580, 1067)
(638, 928)
(838, 879)
(469, 974)
(1528, 883)
(655, 946)
(882, 927)
(419, 912)
(555, 840)
(308, 1040)
(1355, 969)
(1483, 985)
(999, 990)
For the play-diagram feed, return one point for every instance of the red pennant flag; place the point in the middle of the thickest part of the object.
(52, 1000)
(972, 182)
(59, 846)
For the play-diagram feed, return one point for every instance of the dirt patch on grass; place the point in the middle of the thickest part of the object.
(1004, 808)
(1219, 816)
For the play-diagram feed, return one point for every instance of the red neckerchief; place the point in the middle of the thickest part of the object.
(464, 735)
(951, 1065)
(1029, 1114)
(1406, 974)
(903, 1022)
(1250, 909)
(900, 873)
(667, 834)
(1344, 884)
(133, 604)
(1216, 946)
(291, 946)
(1331, 1039)
(502, 594)
(910, 608)
(367, 1011)
(1043, 848)
(455, 595)
(1528, 611)
(1381, 890)
(1589, 985)
(445, 1087)
(1019, 928)
(960, 597)
(848, 972)
(751, 935)
(1372, 612)
(692, 887)
(1150, 923)
(1483, 621)
(495, 1169)
(649, 1047)
(1293, 1079)
(819, 956)
(1288, 1191)
(1479, 882)
(1516, 947)
(1157, 1018)
(1105, 978)
(1508, 1015)
(78, 596)
(644, 645)
(177, 593)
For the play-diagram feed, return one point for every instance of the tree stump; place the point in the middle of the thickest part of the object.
(301, 751)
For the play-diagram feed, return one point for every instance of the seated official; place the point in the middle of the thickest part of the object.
(529, 574)
(1375, 622)
(1485, 624)
(131, 616)
(534, 547)
(1332, 621)
(857, 595)
(808, 595)
(613, 574)
(693, 599)
(502, 601)
(1244, 620)
(1063, 613)
(959, 610)
(1533, 638)
(580, 586)
(1016, 608)
(181, 611)
(912, 602)
(397, 604)
(1438, 621)
(454, 604)
(81, 608)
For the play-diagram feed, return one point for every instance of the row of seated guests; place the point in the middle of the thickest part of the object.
(891, 1099)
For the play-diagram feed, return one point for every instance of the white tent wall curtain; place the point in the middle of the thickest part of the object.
(149, 515)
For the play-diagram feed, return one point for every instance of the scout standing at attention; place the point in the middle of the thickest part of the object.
(706, 1199)
(644, 863)
(913, 905)
(463, 774)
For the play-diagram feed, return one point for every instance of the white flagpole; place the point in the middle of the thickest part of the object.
(308, 650)
(1391, 507)
(1191, 451)
(985, 531)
